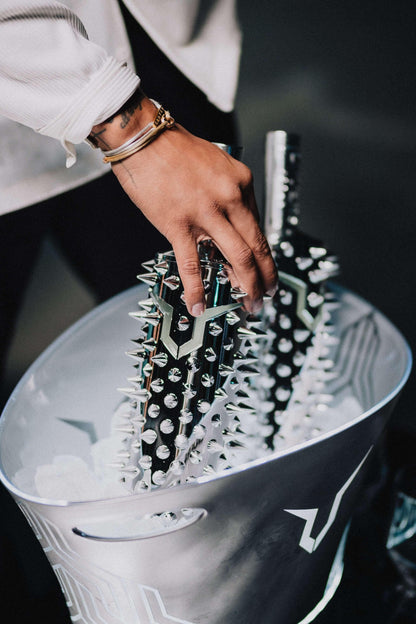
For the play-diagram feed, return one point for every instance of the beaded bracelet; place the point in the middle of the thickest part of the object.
(162, 121)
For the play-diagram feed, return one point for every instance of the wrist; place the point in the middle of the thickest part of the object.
(134, 115)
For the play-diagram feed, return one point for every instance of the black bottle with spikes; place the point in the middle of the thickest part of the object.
(189, 414)
(296, 313)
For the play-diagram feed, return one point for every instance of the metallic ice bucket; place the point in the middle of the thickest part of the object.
(262, 542)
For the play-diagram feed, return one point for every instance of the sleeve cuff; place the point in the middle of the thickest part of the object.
(108, 89)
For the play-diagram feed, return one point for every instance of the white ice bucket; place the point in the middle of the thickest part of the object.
(259, 543)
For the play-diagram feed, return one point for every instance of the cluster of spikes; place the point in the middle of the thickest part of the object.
(189, 410)
(295, 367)
(212, 392)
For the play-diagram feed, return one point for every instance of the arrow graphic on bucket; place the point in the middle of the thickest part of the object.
(156, 609)
(309, 543)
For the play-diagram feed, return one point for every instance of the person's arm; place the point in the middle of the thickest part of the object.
(52, 78)
(56, 81)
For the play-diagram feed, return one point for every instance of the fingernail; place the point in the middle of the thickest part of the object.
(197, 309)
(272, 291)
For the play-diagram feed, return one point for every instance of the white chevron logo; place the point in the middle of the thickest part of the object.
(309, 543)
(155, 608)
(198, 330)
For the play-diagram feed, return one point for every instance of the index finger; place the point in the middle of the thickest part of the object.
(189, 266)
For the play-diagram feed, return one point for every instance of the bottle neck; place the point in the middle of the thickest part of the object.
(282, 159)
(236, 151)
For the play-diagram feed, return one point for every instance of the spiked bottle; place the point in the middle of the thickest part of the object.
(294, 363)
(189, 413)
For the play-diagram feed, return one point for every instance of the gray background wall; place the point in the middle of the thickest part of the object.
(341, 74)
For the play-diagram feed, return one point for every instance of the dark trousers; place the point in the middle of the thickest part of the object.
(105, 238)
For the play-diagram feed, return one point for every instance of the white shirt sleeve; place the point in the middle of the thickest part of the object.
(52, 78)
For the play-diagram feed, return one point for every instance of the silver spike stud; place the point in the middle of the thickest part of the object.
(160, 359)
(245, 332)
(172, 282)
(148, 265)
(237, 293)
(161, 267)
(149, 344)
(137, 354)
(147, 304)
(148, 278)
(226, 370)
(233, 318)
(152, 318)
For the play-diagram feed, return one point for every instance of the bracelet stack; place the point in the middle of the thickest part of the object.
(162, 121)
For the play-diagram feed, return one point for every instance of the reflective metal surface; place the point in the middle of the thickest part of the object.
(294, 361)
(261, 539)
(234, 150)
(282, 159)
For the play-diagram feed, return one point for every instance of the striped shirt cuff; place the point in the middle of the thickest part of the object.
(107, 90)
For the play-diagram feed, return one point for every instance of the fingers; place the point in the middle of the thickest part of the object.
(234, 229)
(256, 253)
(190, 271)
(244, 217)
(246, 272)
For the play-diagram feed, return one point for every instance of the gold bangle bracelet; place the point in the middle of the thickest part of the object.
(162, 121)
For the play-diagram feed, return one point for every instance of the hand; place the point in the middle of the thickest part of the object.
(191, 190)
